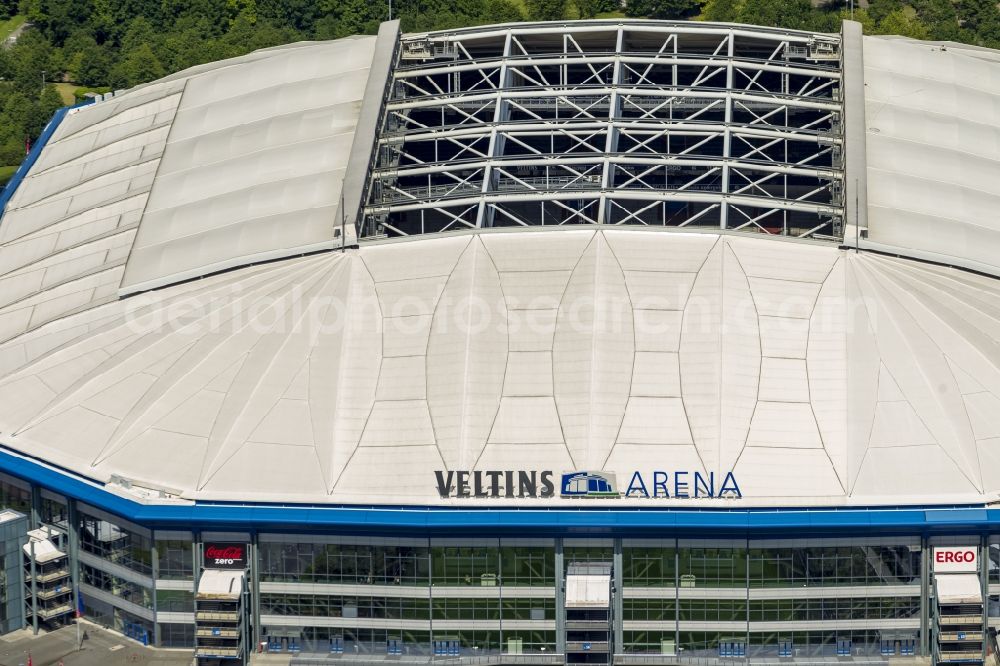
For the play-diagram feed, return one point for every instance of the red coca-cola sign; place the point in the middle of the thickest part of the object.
(225, 556)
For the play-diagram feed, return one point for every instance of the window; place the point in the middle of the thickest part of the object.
(476, 565)
(649, 567)
(14, 496)
(713, 567)
(174, 601)
(116, 544)
(123, 589)
(297, 562)
(649, 610)
(175, 559)
(528, 566)
(177, 635)
(834, 565)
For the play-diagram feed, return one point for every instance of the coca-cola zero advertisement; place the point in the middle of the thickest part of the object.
(225, 555)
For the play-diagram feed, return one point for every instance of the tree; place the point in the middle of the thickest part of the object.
(879, 9)
(591, 8)
(140, 31)
(724, 11)
(904, 22)
(661, 9)
(349, 17)
(982, 19)
(95, 66)
(546, 10)
(796, 14)
(30, 56)
(50, 101)
(501, 11)
(139, 66)
(21, 118)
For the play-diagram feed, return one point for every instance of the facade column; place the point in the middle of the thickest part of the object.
(196, 556)
(34, 588)
(560, 599)
(35, 520)
(984, 581)
(677, 593)
(254, 591)
(617, 601)
(925, 593)
(154, 557)
(73, 518)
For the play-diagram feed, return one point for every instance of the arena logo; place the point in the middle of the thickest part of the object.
(584, 484)
(588, 484)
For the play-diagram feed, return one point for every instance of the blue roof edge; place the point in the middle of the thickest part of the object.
(603, 520)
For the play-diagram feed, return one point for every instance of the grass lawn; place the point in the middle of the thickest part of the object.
(10, 25)
(6, 172)
(66, 91)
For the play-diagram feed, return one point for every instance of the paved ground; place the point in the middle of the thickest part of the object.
(100, 648)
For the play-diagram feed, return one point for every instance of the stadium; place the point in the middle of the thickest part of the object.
(607, 342)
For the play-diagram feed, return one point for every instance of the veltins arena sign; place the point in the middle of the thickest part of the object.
(584, 484)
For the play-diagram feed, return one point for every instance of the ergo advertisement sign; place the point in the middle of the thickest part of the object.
(956, 559)
(225, 555)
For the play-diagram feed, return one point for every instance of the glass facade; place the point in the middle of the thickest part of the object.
(490, 596)
(115, 543)
(487, 596)
(175, 559)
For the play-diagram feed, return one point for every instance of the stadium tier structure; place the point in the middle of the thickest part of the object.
(607, 341)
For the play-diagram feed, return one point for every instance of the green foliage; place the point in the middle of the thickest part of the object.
(546, 10)
(6, 173)
(661, 9)
(724, 11)
(982, 19)
(591, 8)
(139, 66)
(904, 22)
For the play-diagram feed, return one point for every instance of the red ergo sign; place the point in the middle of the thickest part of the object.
(956, 559)
(961, 556)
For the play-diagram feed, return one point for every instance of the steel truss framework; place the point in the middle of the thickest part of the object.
(654, 123)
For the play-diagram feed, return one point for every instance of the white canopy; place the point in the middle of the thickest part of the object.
(588, 591)
(220, 584)
(45, 550)
(959, 588)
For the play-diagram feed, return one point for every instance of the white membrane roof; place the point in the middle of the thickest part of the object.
(254, 162)
(933, 150)
(219, 166)
(817, 375)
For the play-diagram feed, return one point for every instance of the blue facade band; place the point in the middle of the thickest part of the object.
(580, 521)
